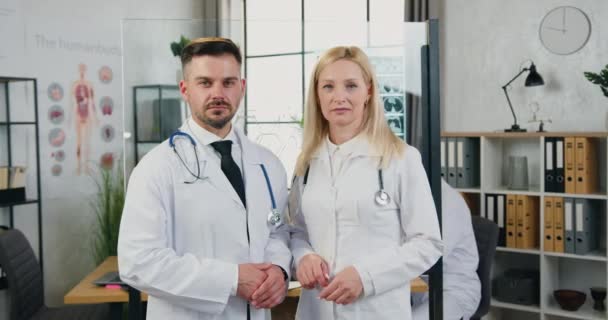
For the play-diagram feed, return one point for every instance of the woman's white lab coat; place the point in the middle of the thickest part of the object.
(388, 246)
(182, 243)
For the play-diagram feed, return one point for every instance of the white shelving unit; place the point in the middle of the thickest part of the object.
(557, 270)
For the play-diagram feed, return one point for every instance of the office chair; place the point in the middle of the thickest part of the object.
(486, 236)
(26, 300)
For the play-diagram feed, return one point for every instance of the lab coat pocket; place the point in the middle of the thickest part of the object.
(374, 214)
(183, 193)
(348, 214)
(388, 215)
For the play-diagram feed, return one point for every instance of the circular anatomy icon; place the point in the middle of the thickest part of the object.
(56, 114)
(56, 170)
(55, 91)
(107, 106)
(107, 160)
(105, 74)
(107, 133)
(58, 155)
(57, 137)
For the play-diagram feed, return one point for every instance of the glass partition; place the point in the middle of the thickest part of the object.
(148, 63)
(279, 76)
(279, 56)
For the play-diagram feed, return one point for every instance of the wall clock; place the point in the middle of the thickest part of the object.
(565, 30)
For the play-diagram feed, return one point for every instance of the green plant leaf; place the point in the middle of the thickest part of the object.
(601, 79)
(108, 204)
(178, 46)
(593, 77)
(604, 76)
(184, 41)
(299, 120)
(175, 49)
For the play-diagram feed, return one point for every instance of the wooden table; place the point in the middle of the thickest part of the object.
(85, 292)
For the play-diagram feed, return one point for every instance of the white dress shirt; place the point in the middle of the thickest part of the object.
(339, 154)
(206, 138)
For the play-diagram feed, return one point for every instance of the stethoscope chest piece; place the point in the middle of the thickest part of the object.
(382, 198)
(274, 218)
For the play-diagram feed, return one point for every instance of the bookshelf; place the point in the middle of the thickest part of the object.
(557, 270)
(18, 122)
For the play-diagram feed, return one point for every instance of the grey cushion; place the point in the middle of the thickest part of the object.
(25, 291)
(23, 273)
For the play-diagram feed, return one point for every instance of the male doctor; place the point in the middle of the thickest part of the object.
(196, 233)
(461, 286)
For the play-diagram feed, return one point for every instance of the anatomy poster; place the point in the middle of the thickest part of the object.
(79, 100)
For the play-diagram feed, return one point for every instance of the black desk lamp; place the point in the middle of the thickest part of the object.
(533, 79)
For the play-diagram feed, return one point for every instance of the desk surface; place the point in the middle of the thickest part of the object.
(85, 292)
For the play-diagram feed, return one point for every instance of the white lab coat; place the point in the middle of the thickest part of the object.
(182, 243)
(388, 246)
(461, 286)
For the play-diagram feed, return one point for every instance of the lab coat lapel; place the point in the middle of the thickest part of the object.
(220, 181)
(258, 196)
(323, 196)
(212, 171)
(255, 185)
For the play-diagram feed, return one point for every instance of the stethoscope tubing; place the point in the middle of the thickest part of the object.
(381, 196)
(274, 218)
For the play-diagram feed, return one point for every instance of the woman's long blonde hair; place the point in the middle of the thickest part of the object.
(374, 125)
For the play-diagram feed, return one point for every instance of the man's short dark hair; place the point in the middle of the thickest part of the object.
(212, 46)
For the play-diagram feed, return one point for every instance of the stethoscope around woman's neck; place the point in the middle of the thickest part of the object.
(381, 197)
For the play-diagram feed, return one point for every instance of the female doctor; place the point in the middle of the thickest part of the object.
(364, 220)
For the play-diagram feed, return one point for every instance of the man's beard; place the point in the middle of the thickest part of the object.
(215, 122)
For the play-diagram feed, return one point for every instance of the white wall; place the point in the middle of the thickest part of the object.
(486, 41)
(67, 216)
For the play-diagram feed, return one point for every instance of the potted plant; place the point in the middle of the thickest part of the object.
(601, 79)
(176, 48)
(108, 203)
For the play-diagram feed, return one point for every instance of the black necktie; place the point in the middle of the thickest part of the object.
(230, 168)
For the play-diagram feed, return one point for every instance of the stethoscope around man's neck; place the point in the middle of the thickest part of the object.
(274, 217)
(381, 197)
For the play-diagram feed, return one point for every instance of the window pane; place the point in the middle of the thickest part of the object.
(332, 23)
(284, 140)
(321, 10)
(386, 11)
(274, 88)
(310, 61)
(268, 35)
(386, 22)
(322, 35)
